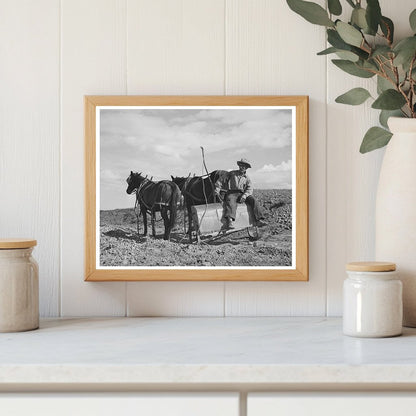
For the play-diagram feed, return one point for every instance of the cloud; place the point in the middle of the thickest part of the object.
(283, 167)
(161, 142)
(218, 129)
(273, 176)
(108, 175)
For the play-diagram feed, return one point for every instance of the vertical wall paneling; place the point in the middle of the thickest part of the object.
(175, 299)
(29, 135)
(272, 51)
(93, 61)
(175, 47)
(55, 52)
(352, 177)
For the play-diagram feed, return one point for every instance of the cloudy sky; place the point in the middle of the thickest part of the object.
(161, 142)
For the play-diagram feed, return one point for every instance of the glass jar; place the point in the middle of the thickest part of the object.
(19, 286)
(372, 300)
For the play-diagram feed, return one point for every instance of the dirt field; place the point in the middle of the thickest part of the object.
(121, 246)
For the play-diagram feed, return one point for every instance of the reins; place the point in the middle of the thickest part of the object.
(208, 174)
(140, 195)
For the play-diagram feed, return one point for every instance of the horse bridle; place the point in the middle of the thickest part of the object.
(139, 199)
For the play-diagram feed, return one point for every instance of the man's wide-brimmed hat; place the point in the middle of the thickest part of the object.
(243, 162)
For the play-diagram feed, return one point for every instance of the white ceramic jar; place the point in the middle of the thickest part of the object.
(372, 300)
(19, 286)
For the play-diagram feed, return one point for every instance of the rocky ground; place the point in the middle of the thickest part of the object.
(121, 246)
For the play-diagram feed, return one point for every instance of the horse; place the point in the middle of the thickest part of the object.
(163, 196)
(199, 190)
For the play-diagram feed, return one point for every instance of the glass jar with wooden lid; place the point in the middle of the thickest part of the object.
(19, 286)
(372, 300)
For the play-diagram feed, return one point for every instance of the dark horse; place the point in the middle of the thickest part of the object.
(152, 196)
(199, 190)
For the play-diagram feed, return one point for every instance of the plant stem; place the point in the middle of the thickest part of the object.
(408, 101)
(384, 73)
(412, 86)
(395, 72)
(366, 43)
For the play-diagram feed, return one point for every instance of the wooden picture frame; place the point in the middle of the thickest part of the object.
(110, 141)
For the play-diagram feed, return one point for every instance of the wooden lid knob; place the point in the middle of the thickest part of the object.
(371, 266)
(11, 243)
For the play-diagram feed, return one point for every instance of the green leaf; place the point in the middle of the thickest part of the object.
(383, 84)
(370, 65)
(352, 68)
(358, 18)
(412, 20)
(311, 12)
(347, 55)
(387, 27)
(389, 100)
(349, 34)
(334, 7)
(356, 96)
(386, 114)
(375, 138)
(405, 50)
(336, 41)
(373, 15)
(381, 50)
(327, 51)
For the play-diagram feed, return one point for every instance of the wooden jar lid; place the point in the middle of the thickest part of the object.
(371, 266)
(11, 243)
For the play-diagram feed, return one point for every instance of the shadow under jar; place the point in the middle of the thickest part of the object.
(19, 286)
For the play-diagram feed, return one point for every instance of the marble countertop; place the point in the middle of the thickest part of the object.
(204, 351)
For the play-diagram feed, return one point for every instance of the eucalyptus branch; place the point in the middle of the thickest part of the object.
(371, 70)
(406, 97)
(403, 112)
(387, 38)
(384, 73)
(369, 46)
(366, 39)
(386, 60)
(395, 71)
(412, 86)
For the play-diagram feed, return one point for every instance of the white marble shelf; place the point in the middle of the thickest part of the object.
(204, 351)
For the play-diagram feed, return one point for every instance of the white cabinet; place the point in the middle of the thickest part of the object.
(122, 404)
(331, 404)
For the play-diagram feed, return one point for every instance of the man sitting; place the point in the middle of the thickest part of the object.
(238, 188)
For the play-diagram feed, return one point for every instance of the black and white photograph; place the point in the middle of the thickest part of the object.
(196, 188)
(206, 187)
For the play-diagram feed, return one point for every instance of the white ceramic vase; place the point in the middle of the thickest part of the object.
(396, 210)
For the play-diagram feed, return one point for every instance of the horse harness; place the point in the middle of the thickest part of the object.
(187, 192)
(139, 195)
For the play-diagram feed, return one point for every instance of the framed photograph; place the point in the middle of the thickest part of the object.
(196, 188)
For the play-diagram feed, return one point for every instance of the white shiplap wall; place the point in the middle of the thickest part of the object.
(30, 134)
(55, 52)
